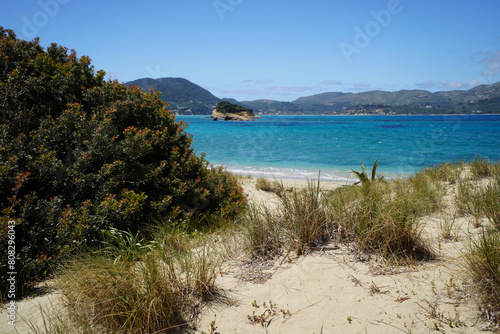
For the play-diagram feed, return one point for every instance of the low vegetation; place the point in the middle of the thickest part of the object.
(134, 285)
(226, 107)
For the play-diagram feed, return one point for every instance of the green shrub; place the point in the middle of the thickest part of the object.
(79, 155)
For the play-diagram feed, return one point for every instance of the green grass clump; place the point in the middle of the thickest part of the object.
(305, 217)
(300, 221)
(262, 232)
(479, 201)
(426, 194)
(482, 260)
(446, 172)
(491, 203)
(151, 289)
(481, 168)
(384, 217)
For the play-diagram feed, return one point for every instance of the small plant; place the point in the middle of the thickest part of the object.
(363, 176)
(270, 312)
(449, 230)
(213, 328)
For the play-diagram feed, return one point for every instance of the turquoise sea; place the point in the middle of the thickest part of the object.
(300, 146)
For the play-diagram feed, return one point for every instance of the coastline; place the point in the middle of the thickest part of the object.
(302, 176)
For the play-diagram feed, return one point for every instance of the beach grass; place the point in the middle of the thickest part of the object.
(383, 218)
(151, 289)
(262, 236)
(482, 266)
(299, 222)
(136, 285)
(445, 172)
(267, 185)
(306, 220)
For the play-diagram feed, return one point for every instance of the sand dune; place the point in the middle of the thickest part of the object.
(330, 290)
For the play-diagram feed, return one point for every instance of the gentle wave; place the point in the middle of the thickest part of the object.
(291, 173)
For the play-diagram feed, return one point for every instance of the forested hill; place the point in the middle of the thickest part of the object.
(183, 96)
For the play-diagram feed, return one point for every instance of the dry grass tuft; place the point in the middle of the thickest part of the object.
(153, 290)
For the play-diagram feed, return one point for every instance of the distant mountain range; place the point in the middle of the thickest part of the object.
(185, 97)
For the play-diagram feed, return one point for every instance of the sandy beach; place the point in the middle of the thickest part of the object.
(330, 290)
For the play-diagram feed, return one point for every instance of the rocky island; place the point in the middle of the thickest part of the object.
(228, 111)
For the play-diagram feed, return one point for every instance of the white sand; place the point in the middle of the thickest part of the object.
(29, 312)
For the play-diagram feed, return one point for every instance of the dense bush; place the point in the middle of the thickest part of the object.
(79, 155)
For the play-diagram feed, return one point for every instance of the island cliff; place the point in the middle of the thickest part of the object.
(228, 111)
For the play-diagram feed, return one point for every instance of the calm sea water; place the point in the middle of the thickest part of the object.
(300, 146)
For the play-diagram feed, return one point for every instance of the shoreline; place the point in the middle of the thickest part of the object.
(333, 176)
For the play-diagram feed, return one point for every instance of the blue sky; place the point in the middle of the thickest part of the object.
(276, 49)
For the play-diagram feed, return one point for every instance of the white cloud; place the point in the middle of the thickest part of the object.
(446, 84)
(492, 61)
(474, 83)
(263, 81)
(279, 92)
(330, 82)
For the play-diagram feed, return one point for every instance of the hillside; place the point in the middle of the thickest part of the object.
(187, 98)
(481, 99)
(183, 96)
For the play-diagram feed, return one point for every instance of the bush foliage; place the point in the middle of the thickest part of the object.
(79, 154)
